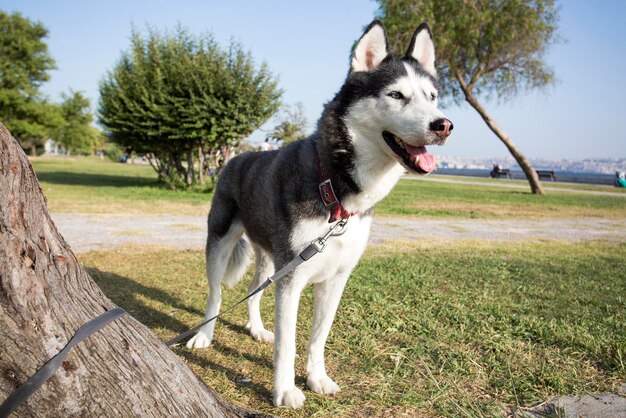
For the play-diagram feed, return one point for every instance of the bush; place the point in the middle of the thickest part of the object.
(175, 97)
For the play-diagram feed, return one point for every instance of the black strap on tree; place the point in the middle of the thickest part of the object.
(44, 373)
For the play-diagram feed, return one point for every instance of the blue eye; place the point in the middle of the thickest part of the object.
(396, 95)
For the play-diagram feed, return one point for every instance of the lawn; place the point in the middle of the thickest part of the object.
(491, 201)
(461, 330)
(90, 185)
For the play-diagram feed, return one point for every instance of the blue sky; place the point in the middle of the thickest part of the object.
(307, 44)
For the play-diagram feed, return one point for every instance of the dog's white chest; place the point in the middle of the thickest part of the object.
(341, 253)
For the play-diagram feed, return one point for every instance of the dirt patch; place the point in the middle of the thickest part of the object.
(88, 232)
(605, 405)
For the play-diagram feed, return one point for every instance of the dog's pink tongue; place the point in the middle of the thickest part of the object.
(425, 161)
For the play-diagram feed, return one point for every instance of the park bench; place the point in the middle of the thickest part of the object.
(505, 172)
(546, 174)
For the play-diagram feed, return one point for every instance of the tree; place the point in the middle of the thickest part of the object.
(177, 96)
(76, 132)
(24, 66)
(291, 125)
(484, 48)
(46, 295)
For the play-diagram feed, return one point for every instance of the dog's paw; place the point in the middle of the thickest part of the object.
(324, 385)
(291, 398)
(199, 341)
(262, 335)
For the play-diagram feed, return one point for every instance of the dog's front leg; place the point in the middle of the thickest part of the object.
(287, 297)
(326, 300)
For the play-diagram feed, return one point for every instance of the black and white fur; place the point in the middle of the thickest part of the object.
(270, 200)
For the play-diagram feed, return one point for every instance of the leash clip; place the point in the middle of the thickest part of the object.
(320, 242)
(342, 228)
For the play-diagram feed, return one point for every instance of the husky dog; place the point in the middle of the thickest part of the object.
(373, 131)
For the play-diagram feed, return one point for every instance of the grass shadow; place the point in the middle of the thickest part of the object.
(233, 353)
(127, 294)
(96, 180)
(261, 392)
(235, 327)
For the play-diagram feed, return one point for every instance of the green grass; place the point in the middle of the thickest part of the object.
(436, 199)
(439, 330)
(90, 185)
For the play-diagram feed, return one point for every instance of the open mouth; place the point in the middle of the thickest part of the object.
(416, 159)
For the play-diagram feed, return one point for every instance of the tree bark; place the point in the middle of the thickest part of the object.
(201, 165)
(524, 163)
(46, 295)
(190, 166)
(178, 164)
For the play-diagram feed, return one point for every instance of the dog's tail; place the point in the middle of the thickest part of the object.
(227, 256)
(237, 263)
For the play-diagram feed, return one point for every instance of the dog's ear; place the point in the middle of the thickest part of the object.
(423, 49)
(372, 48)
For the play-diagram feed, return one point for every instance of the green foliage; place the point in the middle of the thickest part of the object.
(292, 124)
(76, 133)
(492, 46)
(24, 66)
(113, 151)
(24, 58)
(174, 95)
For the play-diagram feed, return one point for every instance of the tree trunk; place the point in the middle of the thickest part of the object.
(46, 295)
(201, 165)
(180, 168)
(524, 163)
(190, 166)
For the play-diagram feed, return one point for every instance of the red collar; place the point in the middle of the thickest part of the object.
(327, 193)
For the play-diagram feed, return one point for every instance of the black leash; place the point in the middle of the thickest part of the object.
(317, 246)
(44, 373)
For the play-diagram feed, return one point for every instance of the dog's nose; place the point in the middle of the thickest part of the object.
(442, 127)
